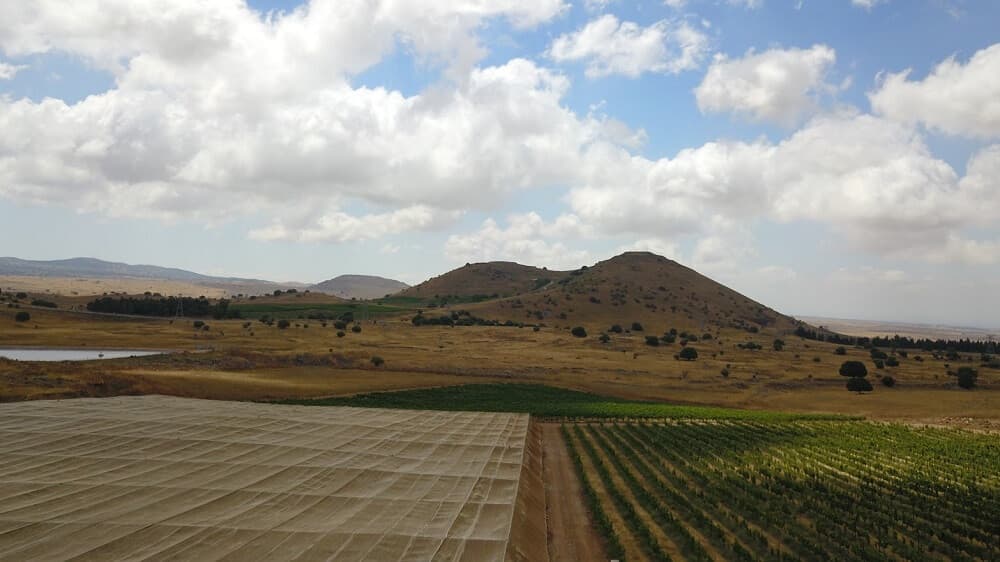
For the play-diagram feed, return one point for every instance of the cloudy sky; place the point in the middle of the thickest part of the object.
(827, 157)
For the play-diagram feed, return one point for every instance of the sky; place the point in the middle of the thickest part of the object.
(825, 157)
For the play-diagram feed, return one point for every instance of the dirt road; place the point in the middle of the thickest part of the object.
(572, 537)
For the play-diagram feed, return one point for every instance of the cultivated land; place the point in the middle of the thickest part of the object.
(753, 451)
(171, 478)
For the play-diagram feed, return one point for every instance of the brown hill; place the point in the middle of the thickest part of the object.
(359, 286)
(634, 287)
(496, 279)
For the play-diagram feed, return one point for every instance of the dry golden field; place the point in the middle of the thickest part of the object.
(234, 360)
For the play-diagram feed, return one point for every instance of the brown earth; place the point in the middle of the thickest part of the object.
(261, 361)
(572, 536)
(491, 278)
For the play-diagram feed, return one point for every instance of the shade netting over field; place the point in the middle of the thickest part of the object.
(172, 478)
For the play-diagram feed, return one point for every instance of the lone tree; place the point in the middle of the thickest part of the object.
(853, 369)
(652, 340)
(688, 354)
(859, 385)
(967, 377)
(779, 345)
(22, 317)
(579, 332)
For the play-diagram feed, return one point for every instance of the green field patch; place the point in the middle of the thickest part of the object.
(545, 401)
(360, 311)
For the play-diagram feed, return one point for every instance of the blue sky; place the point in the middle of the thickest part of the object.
(813, 155)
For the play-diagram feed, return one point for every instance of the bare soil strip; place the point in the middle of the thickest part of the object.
(572, 537)
(174, 478)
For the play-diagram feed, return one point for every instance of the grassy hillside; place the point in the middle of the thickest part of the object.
(654, 291)
(482, 281)
(359, 286)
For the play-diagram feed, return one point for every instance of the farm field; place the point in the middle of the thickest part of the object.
(167, 478)
(247, 359)
(779, 490)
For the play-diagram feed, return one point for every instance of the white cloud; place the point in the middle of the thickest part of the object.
(777, 85)
(341, 227)
(956, 98)
(610, 46)
(873, 181)
(868, 4)
(218, 112)
(8, 71)
(596, 5)
(259, 118)
(527, 239)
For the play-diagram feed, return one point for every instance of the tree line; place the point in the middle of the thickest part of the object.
(164, 306)
(900, 342)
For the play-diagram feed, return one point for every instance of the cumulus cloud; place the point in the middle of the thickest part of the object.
(526, 239)
(872, 180)
(777, 85)
(248, 115)
(610, 46)
(8, 71)
(955, 98)
(338, 226)
(219, 111)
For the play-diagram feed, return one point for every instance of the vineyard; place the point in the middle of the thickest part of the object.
(789, 490)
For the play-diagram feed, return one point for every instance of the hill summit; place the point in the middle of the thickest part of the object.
(635, 287)
(359, 286)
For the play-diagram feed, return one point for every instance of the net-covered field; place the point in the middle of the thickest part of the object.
(164, 478)
(790, 490)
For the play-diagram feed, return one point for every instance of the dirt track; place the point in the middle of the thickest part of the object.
(173, 478)
(572, 537)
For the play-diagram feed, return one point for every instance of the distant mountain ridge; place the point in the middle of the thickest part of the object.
(359, 286)
(93, 267)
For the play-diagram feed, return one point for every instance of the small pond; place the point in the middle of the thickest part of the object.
(62, 354)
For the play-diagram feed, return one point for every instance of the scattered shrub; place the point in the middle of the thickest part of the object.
(198, 324)
(340, 333)
(879, 364)
(840, 351)
(688, 354)
(45, 304)
(778, 345)
(377, 361)
(891, 362)
(579, 332)
(604, 338)
(22, 317)
(888, 381)
(724, 372)
(356, 328)
(636, 327)
(283, 323)
(652, 340)
(853, 369)
(967, 377)
(615, 328)
(859, 385)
